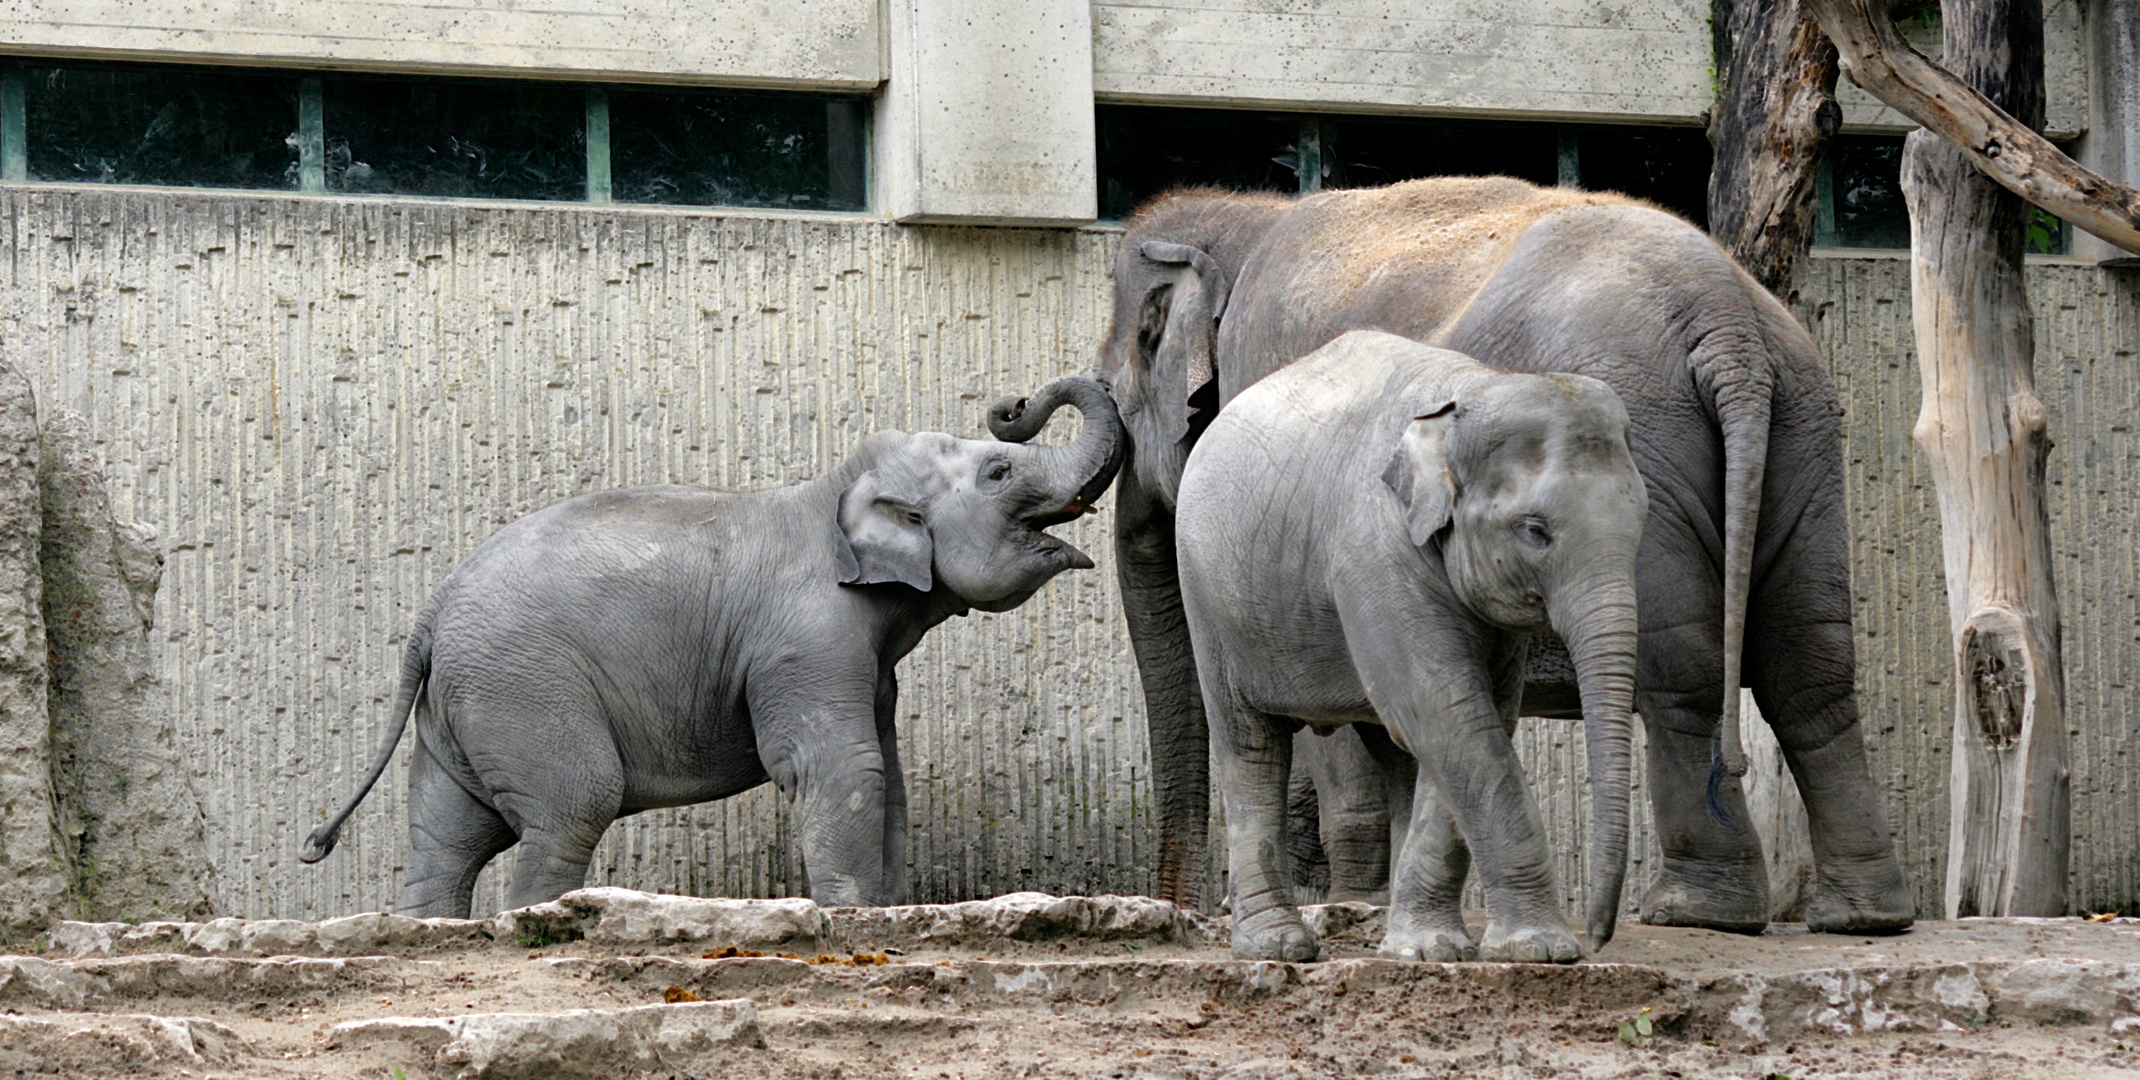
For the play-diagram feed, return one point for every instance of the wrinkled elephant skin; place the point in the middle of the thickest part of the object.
(1370, 536)
(661, 646)
(1743, 578)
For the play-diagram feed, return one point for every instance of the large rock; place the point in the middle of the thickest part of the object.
(350, 935)
(697, 1038)
(92, 1044)
(33, 868)
(1022, 917)
(624, 917)
(128, 813)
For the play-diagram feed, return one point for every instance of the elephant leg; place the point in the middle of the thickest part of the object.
(1173, 702)
(1352, 800)
(1432, 678)
(1712, 875)
(895, 791)
(1426, 920)
(1802, 664)
(1254, 755)
(452, 836)
(817, 735)
(1304, 830)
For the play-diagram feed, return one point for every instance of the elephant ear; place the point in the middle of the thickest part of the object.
(1419, 473)
(1192, 297)
(883, 535)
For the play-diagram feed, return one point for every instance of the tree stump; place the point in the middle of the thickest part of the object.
(1981, 426)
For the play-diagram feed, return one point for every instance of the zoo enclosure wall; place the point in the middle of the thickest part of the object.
(322, 406)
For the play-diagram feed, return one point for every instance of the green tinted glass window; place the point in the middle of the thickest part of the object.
(455, 138)
(706, 148)
(181, 126)
(1863, 205)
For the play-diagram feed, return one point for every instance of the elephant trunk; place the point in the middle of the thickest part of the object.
(1599, 629)
(1086, 466)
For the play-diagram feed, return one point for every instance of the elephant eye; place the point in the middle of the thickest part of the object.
(1532, 531)
(999, 471)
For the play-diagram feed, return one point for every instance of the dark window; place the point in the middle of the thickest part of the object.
(1865, 192)
(1369, 152)
(1145, 152)
(1861, 203)
(456, 138)
(705, 148)
(180, 126)
(1667, 166)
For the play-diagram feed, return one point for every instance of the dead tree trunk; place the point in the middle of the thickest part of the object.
(1774, 114)
(1982, 427)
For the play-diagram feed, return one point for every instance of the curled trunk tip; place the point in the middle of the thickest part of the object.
(1090, 463)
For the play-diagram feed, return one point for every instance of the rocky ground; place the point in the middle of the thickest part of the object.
(610, 983)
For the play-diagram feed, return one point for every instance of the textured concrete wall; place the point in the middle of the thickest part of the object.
(1647, 61)
(323, 406)
(2088, 374)
(829, 44)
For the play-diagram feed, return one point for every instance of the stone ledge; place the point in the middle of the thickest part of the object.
(76, 984)
(1025, 917)
(579, 1043)
(619, 918)
(85, 1042)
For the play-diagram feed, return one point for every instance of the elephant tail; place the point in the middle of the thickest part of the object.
(415, 671)
(1734, 368)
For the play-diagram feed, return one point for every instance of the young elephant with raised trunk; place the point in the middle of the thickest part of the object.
(660, 646)
(1371, 535)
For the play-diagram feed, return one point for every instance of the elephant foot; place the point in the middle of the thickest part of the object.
(1273, 934)
(1889, 911)
(1440, 945)
(1530, 945)
(1673, 901)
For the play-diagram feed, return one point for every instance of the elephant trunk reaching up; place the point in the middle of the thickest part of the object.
(1090, 463)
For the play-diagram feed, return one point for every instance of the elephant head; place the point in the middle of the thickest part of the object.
(1172, 276)
(970, 516)
(1527, 486)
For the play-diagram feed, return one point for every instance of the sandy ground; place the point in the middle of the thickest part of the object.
(1104, 1009)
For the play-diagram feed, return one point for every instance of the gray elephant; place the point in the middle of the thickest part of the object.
(1745, 555)
(1371, 536)
(660, 646)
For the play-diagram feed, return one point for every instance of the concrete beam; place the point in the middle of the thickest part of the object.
(987, 117)
(802, 44)
(2112, 145)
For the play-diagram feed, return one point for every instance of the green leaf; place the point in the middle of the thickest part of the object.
(1642, 1026)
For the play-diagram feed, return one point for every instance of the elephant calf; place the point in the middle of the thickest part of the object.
(1371, 535)
(660, 646)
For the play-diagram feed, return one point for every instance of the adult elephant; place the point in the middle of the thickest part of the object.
(1744, 555)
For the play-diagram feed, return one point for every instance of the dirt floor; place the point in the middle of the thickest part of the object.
(2002, 1000)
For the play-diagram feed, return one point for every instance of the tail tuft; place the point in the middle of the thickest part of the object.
(1718, 770)
(320, 844)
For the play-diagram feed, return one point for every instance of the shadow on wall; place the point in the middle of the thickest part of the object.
(98, 819)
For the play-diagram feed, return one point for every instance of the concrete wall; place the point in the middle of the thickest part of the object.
(824, 44)
(989, 118)
(1573, 59)
(322, 406)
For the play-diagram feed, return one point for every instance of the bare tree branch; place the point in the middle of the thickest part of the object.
(1876, 57)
